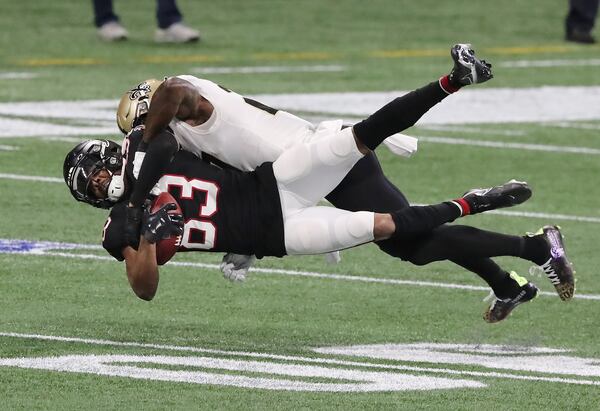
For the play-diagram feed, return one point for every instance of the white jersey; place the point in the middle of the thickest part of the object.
(240, 132)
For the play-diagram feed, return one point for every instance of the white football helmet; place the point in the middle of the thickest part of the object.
(135, 103)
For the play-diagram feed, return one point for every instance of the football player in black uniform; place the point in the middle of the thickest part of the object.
(366, 188)
(270, 211)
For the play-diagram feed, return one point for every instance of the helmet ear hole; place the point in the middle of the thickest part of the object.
(140, 120)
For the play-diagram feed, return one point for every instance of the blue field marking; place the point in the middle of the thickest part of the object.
(12, 246)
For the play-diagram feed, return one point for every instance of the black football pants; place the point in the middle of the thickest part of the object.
(367, 188)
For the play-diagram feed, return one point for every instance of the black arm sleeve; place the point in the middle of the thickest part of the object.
(158, 156)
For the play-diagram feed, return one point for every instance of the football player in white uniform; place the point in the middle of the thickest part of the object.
(231, 130)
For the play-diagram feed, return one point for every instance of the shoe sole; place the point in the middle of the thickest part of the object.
(517, 191)
(565, 291)
(566, 287)
(193, 40)
(487, 315)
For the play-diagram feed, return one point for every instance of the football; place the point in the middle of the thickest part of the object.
(167, 247)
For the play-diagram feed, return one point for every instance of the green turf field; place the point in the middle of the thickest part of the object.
(267, 343)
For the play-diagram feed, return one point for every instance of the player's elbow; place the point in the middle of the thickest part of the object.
(141, 269)
(143, 283)
(145, 295)
(146, 292)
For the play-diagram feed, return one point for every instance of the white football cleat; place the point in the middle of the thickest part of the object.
(176, 33)
(112, 31)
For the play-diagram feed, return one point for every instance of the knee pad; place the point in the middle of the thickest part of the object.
(353, 229)
(314, 235)
(308, 237)
(293, 164)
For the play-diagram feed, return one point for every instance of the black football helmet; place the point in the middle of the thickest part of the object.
(86, 159)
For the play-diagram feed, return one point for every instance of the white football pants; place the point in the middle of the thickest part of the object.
(306, 173)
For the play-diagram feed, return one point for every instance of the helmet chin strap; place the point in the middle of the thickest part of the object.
(116, 188)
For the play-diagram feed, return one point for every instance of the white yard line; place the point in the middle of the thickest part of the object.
(268, 69)
(571, 124)
(40, 179)
(514, 146)
(474, 130)
(549, 63)
(310, 274)
(295, 359)
(546, 216)
(17, 75)
(64, 139)
(471, 106)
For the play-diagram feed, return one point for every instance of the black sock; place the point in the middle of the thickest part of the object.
(507, 287)
(535, 249)
(498, 279)
(398, 115)
(461, 242)
(420, 219)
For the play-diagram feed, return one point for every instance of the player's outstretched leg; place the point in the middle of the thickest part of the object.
(554, 262)
(468, 69)
(420, 219)
(502, 307)
(403, 112)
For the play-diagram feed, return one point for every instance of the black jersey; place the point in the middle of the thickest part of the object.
(224, 210)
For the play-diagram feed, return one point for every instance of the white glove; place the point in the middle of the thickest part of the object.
(333, 257)
(235, 266)
(401, 144)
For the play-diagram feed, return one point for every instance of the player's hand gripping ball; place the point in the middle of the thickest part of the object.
(163, 225)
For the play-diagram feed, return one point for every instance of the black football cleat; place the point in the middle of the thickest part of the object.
(558, 269)
(508, 194)
(501, 308)
(468, 69)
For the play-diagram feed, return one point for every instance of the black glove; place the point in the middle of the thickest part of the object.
(161, 224)
(133, 223)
